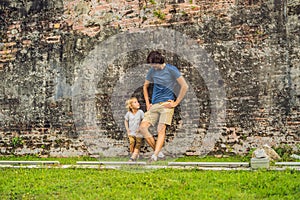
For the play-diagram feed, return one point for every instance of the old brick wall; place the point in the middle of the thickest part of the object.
(49, 49)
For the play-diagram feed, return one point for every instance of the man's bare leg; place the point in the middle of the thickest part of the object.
(161, 130)
(151, 141)
(144, 129)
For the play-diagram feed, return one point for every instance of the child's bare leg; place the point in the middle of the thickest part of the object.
(135, 154)
(137, 147)
(131, 144)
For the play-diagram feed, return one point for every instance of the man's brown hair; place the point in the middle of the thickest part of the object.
(155, 57)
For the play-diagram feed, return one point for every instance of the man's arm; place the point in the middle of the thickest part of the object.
(146, 94)
(183, 89)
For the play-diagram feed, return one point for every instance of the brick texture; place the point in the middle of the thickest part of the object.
(253, 43)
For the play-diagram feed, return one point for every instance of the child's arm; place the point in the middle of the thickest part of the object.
(126, 126)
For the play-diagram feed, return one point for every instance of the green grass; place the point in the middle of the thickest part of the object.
(49, 183)
(131, 183)
(64, 161)
(138, 183)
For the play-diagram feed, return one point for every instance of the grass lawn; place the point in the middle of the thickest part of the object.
(50, 183)
(159, 184)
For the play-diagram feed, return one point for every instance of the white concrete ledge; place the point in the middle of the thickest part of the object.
(109, 163)
(20, 162)
(145, 167)
(288, 163)
(210, 164)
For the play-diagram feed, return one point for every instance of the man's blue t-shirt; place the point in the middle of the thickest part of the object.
(164, 81)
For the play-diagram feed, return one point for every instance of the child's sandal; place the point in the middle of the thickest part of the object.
(132, 160)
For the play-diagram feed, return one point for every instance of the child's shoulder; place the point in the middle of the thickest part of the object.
(141, 111)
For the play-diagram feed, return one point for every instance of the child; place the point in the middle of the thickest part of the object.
(132, 122)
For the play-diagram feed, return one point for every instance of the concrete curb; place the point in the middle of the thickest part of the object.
(211, 164)
(109, 163)
(287, 163)
(146, 167)
(214, 166)
(20, 162)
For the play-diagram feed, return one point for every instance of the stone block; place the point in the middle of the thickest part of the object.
(257, 163)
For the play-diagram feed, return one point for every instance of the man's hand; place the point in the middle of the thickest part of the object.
(149, 106)
(170, 104)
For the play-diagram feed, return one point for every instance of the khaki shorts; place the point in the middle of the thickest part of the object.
(135, 141)
(158, 113)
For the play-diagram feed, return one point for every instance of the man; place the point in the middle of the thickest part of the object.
(161, 109)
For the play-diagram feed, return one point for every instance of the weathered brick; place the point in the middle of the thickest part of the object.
(41, 53)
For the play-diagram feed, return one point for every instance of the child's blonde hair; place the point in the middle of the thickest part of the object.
(129, 102)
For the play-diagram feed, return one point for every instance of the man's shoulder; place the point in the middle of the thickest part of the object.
(171, 67)
(150, 72)
(168, 65)
(173, 70)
